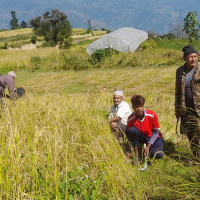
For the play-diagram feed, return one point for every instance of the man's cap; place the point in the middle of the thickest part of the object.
(188, 50)
(118, 92)
(12, 73)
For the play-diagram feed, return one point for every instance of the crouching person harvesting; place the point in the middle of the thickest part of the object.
(8, 80)
(143, 127)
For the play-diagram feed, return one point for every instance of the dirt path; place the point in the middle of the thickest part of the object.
(27, 46)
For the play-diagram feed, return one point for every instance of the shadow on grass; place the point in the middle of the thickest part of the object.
(180, 153)
(169, 148)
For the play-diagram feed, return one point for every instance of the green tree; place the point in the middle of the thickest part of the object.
(191, 26)
(54, 26)
(23, 24)
(14, 21)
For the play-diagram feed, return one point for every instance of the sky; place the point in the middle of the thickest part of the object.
(155, 15)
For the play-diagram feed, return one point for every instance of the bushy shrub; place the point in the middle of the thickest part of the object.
(34, 39)
(169, 36)
(107, 30)
(66, 44)
(5, 46)
(149, 44)
(97, 56)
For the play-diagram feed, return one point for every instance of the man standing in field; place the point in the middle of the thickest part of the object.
(119, 113)
(9, 81)
(143, 127)
(187, 97)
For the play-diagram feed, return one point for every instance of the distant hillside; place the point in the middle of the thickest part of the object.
(146, 15)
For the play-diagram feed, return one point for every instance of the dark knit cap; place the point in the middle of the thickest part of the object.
(188, 50)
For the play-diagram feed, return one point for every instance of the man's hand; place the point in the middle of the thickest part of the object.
(146, 150)
(115, 119)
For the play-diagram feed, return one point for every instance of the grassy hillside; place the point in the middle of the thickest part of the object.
(15, 38)
(56, 143)
(20, 37)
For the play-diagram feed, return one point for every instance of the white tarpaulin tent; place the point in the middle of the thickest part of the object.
(123, 39)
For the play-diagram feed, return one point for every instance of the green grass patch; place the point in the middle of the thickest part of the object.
(83, 43)
(176, 44)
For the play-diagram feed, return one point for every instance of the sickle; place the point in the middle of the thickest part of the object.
(177, 127)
